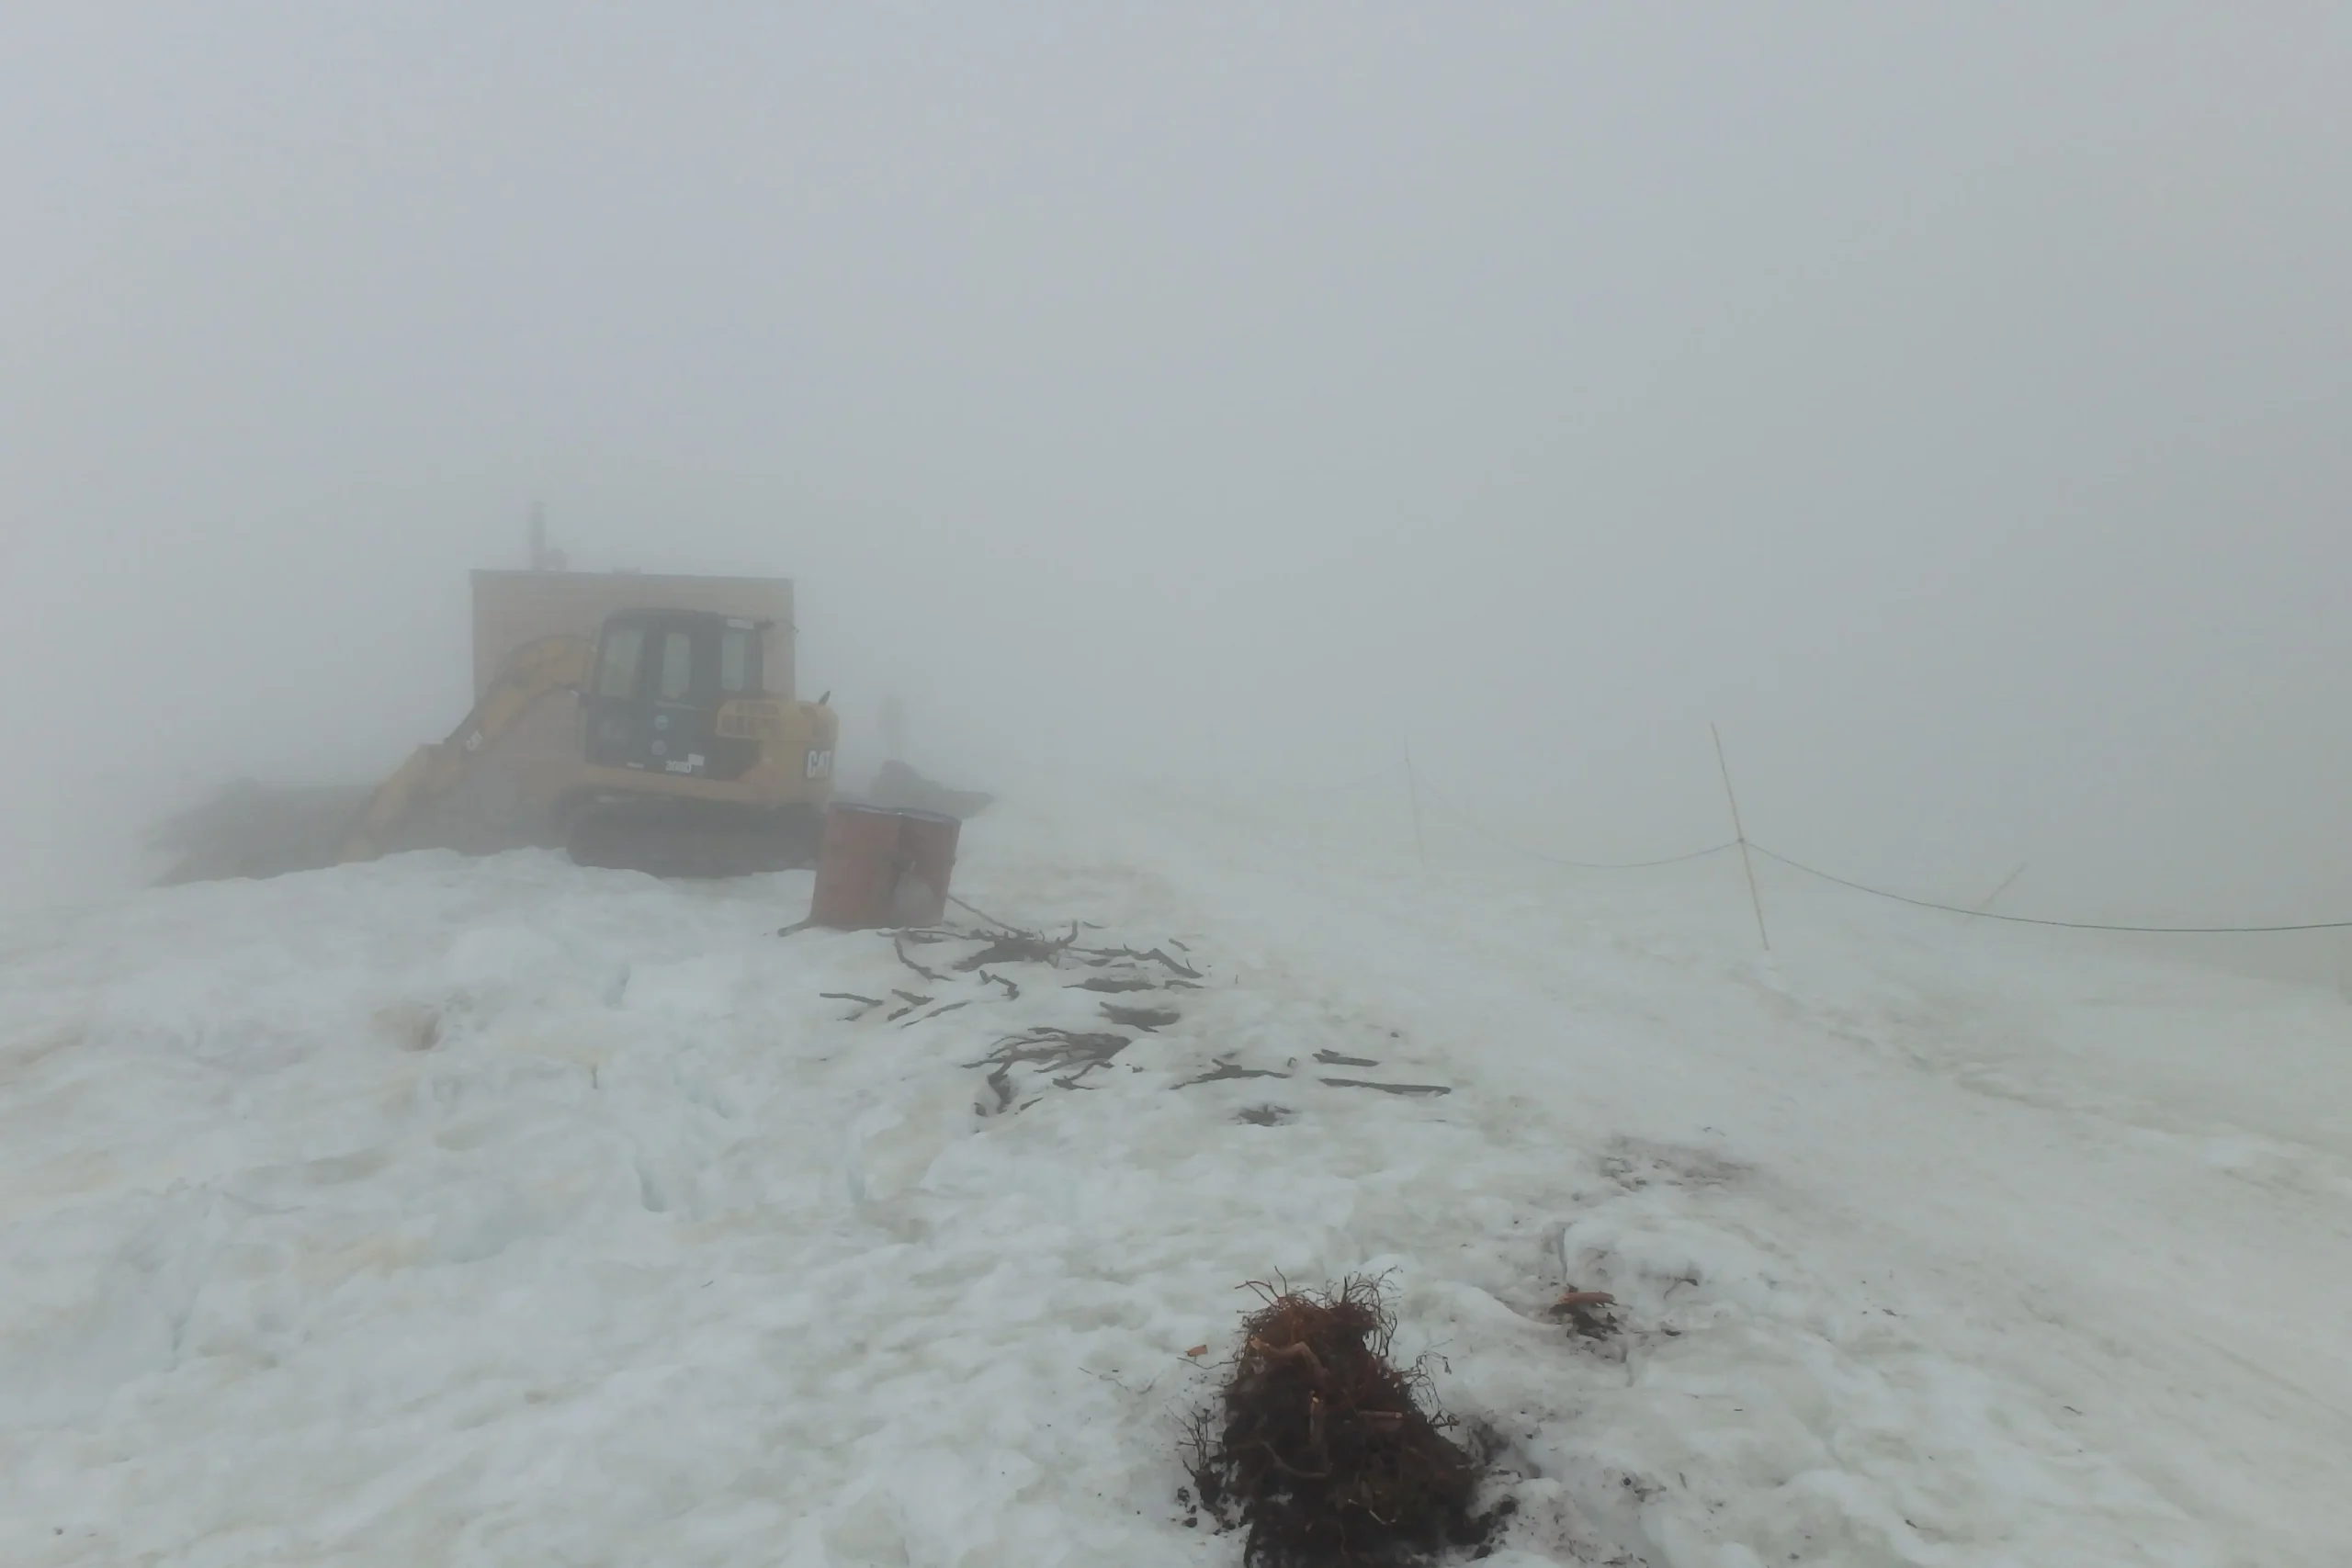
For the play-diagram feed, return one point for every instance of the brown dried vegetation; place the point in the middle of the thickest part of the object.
(1319, 1446)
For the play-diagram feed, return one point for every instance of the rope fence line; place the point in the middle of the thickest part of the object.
(1294, 791)
(1465, 819)
(2034, 920)
(1468, 821)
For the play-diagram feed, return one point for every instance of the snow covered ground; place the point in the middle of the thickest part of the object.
(499, 1212)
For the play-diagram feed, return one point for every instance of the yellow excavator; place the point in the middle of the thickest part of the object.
(685, 767)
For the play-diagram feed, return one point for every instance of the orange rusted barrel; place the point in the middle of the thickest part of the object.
(880, 867)
(927, 855)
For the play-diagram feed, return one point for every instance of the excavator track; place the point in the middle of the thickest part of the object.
(690, 838)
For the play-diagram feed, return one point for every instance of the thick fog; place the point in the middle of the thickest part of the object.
(1950, 405)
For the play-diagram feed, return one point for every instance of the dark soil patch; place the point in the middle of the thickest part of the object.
(1324, 1450)
(1589, 1314)
(255, 830)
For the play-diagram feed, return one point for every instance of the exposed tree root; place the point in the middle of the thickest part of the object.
(1320, 1447)
(1010, 946)
(1054, 1050)
(1100, 957)
(1226, 1069)
(1146, 1018)
(899, 946)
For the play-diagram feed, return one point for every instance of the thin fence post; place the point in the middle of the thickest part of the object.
(1413, 787)
(1990, 899)
(1746, 864)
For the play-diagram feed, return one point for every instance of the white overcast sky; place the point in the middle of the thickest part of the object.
(1951, 401)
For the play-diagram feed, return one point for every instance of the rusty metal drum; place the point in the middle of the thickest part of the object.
(877, 867)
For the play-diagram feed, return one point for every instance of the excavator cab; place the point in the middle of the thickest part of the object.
(656, 686)
(688, 766)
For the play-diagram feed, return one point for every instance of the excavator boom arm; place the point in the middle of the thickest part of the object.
(531, 673)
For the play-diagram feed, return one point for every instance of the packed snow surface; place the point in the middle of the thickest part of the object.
(502, 1212)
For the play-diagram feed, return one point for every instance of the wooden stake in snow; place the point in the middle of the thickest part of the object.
(1747, 863)
(1413, 787)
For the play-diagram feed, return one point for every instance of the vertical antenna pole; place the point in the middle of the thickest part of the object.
(1746, 864)
(1413, 784)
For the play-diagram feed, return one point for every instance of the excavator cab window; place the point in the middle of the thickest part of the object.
(617, 661)
(660, 677)
(739, 660)
(677, 666)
